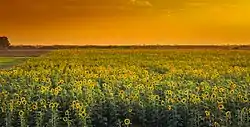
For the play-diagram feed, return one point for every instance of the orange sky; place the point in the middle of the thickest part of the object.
(127, 22)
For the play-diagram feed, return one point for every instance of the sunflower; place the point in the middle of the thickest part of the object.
(170, 100)
(221, 90)
(157, 97)
(233, 86)
(77, 105)
(61, 82)
(228, 114)
(221, 106)
(121, 92)
(207, 113)
(141, 104)
(169, 107)
(220, 100)
(162, 102)
(36, 79)
(169, 92)
(56, 92)
(67, 113)
(51, 105)
(43, 89)
(19, 103)
(216, 124)
(83, 114)
(34, 106)
(186, 93)
(24, 102)
(23, 99)
(245, 99)
(130, 110)
(58, 88)
(231, 91)
(184, 100)
(21, 113)
(150, 88)
(213, 95)
(65, 119)
(127, 122)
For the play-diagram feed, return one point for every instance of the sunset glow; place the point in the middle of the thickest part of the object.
(125, 22)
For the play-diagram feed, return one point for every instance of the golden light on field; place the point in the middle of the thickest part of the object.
(126, 21)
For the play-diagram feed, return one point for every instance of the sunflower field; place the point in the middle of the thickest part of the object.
(128, 88)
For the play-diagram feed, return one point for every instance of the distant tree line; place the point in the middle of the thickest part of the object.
(52, 47)
(4, 42)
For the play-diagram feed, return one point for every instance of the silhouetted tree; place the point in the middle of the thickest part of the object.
(4, 42)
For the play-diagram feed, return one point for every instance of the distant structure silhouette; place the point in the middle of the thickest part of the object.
(4, 42)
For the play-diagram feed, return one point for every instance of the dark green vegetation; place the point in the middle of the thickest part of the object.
(4, 42)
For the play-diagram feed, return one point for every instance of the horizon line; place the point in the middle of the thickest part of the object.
(36, 45)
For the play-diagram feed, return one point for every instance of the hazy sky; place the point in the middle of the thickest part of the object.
(125, 21)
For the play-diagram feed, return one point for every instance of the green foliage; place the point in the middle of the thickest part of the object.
(4, 42)
(128, 88)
